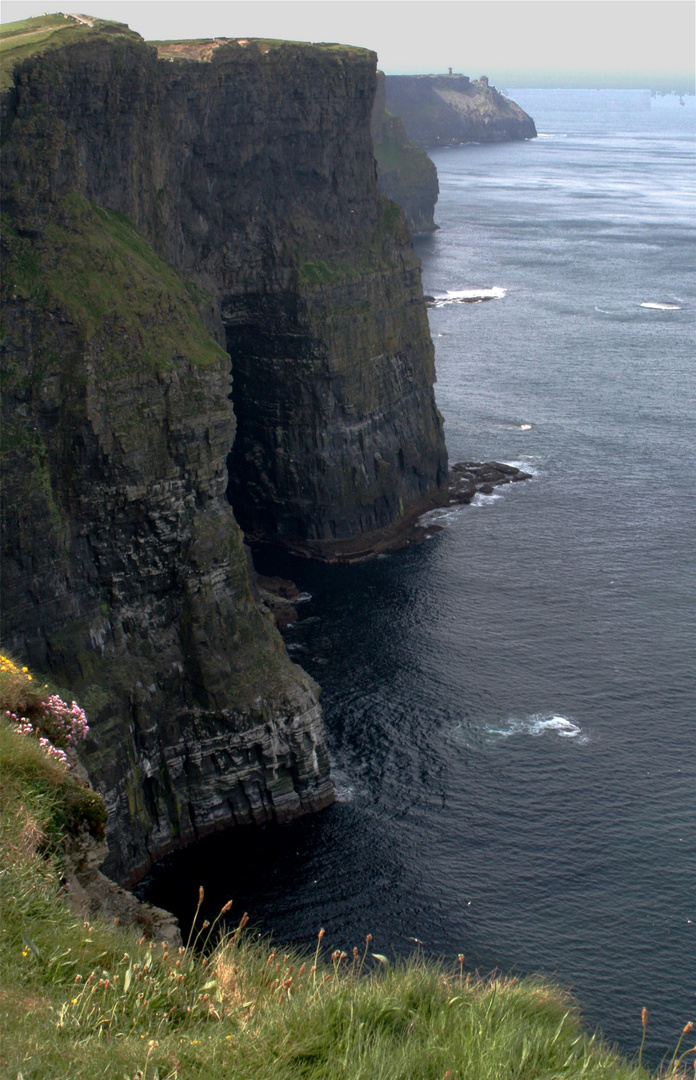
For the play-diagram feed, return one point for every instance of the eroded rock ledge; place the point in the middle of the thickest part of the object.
(466, 479)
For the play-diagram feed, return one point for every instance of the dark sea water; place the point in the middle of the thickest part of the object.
(511, 706)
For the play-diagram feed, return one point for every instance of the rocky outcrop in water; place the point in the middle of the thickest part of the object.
(260, 234)
(405, 173)
(440, 110)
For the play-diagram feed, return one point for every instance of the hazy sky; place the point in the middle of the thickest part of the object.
(591, 43)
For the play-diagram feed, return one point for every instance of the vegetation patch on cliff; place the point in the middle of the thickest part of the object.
(34, 780)
(18, 40)
(97, 266)
(410, 161)
(376, 258)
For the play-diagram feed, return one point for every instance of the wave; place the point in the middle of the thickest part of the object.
(509, 425)
(540, 724)
(480, 499)
(661, 307)
(442, 516)
(468, 296)
(525, 466)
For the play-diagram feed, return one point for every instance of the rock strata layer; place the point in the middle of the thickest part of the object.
(441, 110)
(161, 204)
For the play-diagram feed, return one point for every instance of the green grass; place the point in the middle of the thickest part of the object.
(99, 268)
(20, 40)
(84, 999)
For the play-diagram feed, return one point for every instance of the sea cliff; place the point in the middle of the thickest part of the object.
(439, 110)
(405, 173)
(172, 214)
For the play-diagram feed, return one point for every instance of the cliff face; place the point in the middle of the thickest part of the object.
(438, 110)
(405, 173)
(249, 169)
(253, 172)
(124, 572)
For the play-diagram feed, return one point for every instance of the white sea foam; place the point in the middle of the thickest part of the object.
(540, 724)
(661, 307)
(525, 466)
(344, 783)
(508, 425)
(303, 598)
(443, 516)
(480, 499)
(469, 296)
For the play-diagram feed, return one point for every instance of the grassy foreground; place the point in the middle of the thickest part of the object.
(84, 999)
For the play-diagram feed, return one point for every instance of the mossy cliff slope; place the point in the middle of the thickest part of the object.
(438, 110)
(405, 173)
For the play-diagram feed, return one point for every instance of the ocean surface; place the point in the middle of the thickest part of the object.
(511, 706)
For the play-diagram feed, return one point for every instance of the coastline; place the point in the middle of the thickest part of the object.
(466, 480)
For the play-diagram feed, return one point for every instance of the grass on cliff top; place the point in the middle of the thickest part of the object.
(125, 300)
(81, 998)
(200, 48)
(18, 40)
